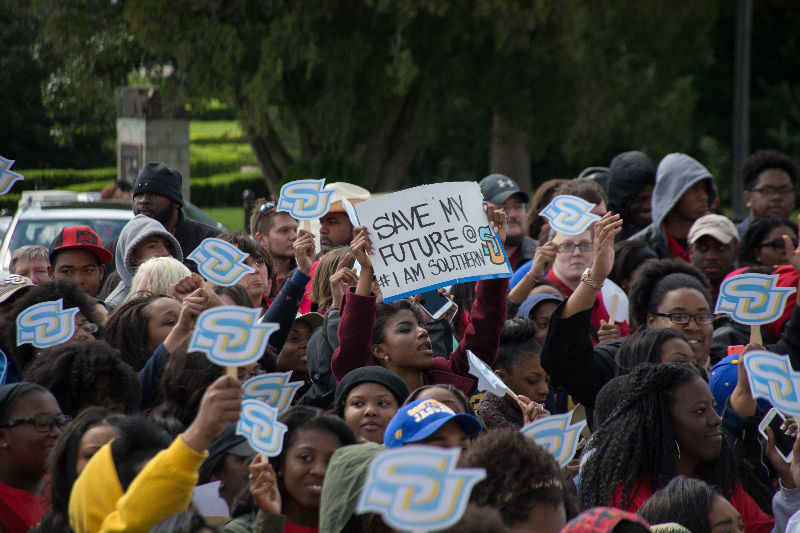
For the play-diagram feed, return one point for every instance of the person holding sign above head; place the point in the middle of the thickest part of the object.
(139, 478)
(285, 492)
(575, 254)
(398, 340)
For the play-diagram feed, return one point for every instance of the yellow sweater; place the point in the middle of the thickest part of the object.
(163, 488)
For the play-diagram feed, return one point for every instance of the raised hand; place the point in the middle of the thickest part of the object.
(341, 280)
(304, 250)
(219, 406)
(543, 260)
(264, 485)
(604, 232)
(497, 220)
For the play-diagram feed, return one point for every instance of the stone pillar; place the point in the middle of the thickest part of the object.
(150, 129)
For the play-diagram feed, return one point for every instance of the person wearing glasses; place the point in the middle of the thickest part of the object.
(769, 179)
(574, 256)
(30, 423)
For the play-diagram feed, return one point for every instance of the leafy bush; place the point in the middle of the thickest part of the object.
(210, 159)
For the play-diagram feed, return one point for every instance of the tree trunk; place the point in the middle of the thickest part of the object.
(509, 153)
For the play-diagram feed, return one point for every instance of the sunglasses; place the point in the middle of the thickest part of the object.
(263, 210)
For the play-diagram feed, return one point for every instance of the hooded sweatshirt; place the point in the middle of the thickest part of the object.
(97, 503)
(135, 231)
(676, 174)
(629, 173)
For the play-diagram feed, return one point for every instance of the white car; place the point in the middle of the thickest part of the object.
(41, 215)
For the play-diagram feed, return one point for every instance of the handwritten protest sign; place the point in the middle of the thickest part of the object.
(772, 377)
(220, 261)
(7, 177)
(557, 435)
(305, 199)
(429, 237)
(46, 324)
(569, 214)
(274, 389)
(418, 488)
(487, 379)
(259, 423)
(231, 335)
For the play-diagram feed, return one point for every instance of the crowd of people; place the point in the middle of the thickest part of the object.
(115, 428)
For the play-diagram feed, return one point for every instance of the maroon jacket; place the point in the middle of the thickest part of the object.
(481, 337)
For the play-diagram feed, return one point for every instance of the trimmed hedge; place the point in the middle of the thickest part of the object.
(224, 190)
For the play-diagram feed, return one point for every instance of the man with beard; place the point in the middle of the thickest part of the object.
(157, 194)
(275, 232)
(503, 192)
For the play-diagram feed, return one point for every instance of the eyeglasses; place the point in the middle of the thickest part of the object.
(42, 423)
(684, 318)
(774, 191)
(776, 244)
(569, 247)
(89, 327)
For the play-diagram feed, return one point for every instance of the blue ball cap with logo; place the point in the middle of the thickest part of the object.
(422, 418)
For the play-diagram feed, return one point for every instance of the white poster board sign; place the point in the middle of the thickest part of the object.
(431, 236)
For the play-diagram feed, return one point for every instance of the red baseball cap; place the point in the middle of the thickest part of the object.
(81, 238)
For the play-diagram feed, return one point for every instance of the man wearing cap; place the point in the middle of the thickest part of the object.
(157, 194)
(714, 247)
(427, 421)
(77, 255)
(335, 227)
(504, 192)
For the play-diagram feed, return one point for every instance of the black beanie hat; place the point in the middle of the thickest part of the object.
(371, 374)
(160, 179)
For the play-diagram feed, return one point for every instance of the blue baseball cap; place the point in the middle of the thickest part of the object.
(722, 380)
(532, 301)
(422, 418)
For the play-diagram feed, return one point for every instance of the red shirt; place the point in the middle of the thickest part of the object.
(675, 248)
(599, 311)
(20, 510)
(755, 520)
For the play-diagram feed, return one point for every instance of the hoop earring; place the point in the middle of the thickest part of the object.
(679, 449)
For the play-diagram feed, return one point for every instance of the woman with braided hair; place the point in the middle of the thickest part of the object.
(664, 426)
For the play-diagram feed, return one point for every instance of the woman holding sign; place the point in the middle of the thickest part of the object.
(399, 341)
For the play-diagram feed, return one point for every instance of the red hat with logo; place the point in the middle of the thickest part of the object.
(80, 238)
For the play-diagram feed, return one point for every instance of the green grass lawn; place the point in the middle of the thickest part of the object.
(233, 217)
(215, 131)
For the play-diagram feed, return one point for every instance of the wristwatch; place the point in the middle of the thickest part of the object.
(587, 279)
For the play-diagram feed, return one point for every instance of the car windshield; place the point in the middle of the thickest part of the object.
(44, 231)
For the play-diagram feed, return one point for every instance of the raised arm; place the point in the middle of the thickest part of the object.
(357, 315)
(542, 261)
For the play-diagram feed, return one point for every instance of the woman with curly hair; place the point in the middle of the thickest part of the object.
(666, 426)
(523, 481)
(84, 374)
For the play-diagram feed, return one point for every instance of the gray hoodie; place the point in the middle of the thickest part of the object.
(134, 232)
(676, 174)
